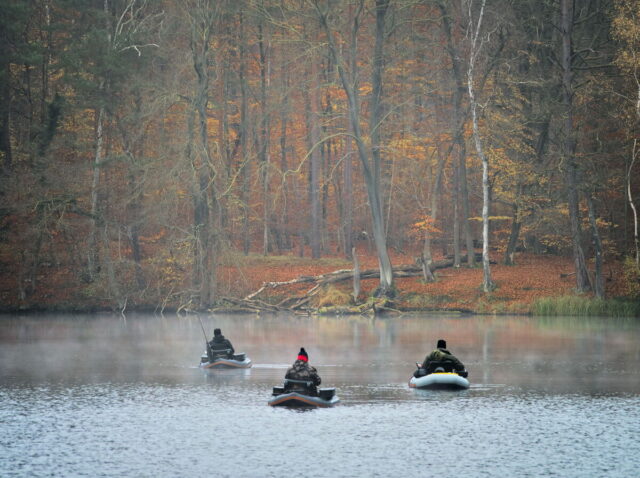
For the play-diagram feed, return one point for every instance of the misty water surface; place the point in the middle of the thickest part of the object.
(103, 396)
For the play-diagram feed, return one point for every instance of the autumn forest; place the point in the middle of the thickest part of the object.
(180, 154)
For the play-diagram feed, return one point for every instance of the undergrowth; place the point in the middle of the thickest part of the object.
(585, 307)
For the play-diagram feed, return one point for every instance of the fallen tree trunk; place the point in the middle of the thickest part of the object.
(335, 276)
(298, 302)
(411, 270)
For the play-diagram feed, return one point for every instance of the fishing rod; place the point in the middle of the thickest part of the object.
(206, 341)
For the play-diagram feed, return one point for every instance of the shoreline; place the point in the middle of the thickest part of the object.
(536, 285)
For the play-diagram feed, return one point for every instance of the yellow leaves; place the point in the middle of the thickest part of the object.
(337, 94)
(626, 29)
(409, 147)
(425, 224)
(491, 218)
(365, 89)
(154, 237)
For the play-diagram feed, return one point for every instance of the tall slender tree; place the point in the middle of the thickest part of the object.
(569, 143)
(203, 16)
(475, 46)
(370, 158)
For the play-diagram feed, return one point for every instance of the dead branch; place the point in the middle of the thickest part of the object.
(299, 302)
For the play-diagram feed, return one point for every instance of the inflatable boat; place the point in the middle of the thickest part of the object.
(235, 361)
(439, 376)
(440, 381)
(297, 393)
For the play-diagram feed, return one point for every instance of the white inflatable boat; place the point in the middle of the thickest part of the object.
(440, 381)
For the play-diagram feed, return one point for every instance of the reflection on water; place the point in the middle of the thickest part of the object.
(101, 396)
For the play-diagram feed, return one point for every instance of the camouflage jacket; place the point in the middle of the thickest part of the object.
(439, 356)
(220, 343)
(301, 370)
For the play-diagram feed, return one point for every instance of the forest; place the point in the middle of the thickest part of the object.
(179, 154)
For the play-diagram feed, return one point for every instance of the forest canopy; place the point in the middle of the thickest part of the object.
(146, 144)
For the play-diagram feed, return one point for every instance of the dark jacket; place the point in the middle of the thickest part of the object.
(441, 357)
(220, 344)
(301, 370)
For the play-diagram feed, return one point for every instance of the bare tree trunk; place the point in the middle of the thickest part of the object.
(597, 244)
(636, 240)
(34, 267)
(466, 210)
(264, 137)
(371, 167)
(206, 209)
(47, 40)
(244, 141)
(133, 149)
(348, 165)
(356, 275)
(314, 183)
(284, 216)
(374, 189)
(5, 115)
(516, 225)
(427, 273)
(112, 281)
(92, 257)
(458, 124)
(569, 145)
(456, 217)
(487, 283)
(435, 185)
(348, 196)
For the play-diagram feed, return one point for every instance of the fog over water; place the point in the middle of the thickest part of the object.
(107, 396)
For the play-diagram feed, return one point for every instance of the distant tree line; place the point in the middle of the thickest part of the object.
(145, 143)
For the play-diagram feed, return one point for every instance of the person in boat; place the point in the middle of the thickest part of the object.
(440, 357)
(220, 346)
(301, 370)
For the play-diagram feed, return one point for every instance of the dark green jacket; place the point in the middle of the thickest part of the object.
(442, 356)
(219, 344)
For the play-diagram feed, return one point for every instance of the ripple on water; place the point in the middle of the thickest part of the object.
(128, 416)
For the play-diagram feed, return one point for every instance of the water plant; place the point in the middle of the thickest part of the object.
(576, 305)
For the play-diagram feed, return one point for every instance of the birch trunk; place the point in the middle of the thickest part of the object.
(636, 240)
(487, 283)
(92, 258)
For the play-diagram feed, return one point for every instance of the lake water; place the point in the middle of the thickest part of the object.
(104, 396)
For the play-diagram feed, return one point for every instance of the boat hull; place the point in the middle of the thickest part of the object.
(440, 381)
(295, 399)
(227, 363)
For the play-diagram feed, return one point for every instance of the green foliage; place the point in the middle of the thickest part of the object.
(585, 307)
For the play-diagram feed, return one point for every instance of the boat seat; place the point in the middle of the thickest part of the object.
(299, 385)
(442, 366)
(220, 353)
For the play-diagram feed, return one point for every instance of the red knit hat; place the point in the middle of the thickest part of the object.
(302, 355)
